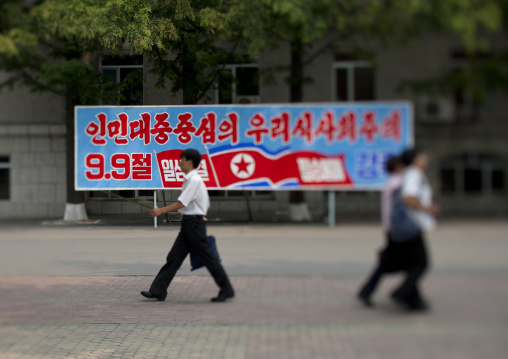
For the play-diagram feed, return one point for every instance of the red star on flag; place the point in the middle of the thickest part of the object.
(242, 165)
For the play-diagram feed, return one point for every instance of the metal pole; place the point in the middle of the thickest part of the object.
(331, 209)
(164, 202)
(249, 211)
(154, 206)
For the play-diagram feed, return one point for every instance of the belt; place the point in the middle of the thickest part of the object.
(193, 216)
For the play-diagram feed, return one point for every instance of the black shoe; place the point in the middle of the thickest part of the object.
(149, 295)
(419, 306)
(223, 296)
(400, 302)
(365, 300)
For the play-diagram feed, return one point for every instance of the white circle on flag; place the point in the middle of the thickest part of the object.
(243, 165)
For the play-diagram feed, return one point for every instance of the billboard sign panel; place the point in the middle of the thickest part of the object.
(261, 147)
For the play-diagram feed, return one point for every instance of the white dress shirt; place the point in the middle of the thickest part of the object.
(194, 196)
(415, 184)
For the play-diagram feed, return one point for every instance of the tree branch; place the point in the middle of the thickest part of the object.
(214, 77)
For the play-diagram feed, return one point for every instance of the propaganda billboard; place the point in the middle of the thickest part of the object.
(258, 147)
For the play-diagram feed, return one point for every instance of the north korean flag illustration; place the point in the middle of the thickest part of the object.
(251, 166)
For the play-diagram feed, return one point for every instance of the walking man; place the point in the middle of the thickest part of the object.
(417, 196)
(193, 203)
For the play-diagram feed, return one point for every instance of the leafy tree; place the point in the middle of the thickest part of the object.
(182, 53)
(348, 26)
(50, 49)
(485, 61)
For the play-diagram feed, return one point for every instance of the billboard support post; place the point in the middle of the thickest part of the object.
(154, 206)
(164, 201)
(331, 209)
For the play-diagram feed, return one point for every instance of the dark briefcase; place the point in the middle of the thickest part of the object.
(195, 259)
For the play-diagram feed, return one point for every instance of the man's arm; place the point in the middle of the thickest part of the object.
(171, 208)
(414, 202)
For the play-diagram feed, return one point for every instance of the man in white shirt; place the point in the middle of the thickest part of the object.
(193, 203)
(417, 196)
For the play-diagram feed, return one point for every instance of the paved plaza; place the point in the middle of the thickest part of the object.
(72, 291)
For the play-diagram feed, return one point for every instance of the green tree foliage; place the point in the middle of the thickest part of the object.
(180, 50)
(50, 46)
(353, 26)
(484, 55)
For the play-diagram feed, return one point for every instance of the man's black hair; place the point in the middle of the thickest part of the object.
(193, 155)
(393, 163)
(409, 155)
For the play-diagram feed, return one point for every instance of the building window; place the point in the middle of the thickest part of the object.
(473, 174)
(138, 193)
(241, 194)
(125, 74)
(5, 166)
(465, 101)
(353, 80)
(238, 83)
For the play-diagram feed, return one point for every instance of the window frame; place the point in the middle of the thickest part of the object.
(7, 165)
(118, 75)
(117, 69)
(486, 164)
(468, 108)
(108, 195)
(349, 66)
(226, 195)
(255, 194)
(233, 68)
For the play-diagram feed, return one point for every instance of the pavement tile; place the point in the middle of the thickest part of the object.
(73, 292)
(272, 317)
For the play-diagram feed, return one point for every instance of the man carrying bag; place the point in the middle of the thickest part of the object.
(413, 214)
(193, 203)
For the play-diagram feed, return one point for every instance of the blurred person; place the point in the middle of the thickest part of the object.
(386, 264)
(406, 252)
(193, 203)
(416, 194)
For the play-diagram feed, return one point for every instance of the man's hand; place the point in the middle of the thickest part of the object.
(171, 208)
(155, 212)
(433, 210)
(414, 202)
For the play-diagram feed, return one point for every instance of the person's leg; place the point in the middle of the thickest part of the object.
(415, 301)
(195, 231)
(174, 260)
(370, 286)
(408, 292)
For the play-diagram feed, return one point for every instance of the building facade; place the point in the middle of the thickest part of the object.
(467, 139)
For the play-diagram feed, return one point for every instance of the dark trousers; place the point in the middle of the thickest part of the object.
(410, 257)
(192, 236)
